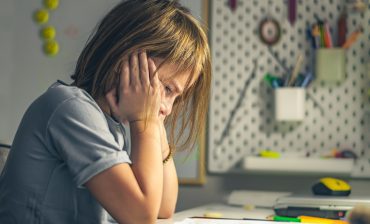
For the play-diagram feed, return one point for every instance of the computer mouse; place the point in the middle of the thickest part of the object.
(331, 186)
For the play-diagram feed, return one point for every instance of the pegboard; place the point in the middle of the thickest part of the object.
(336, 116)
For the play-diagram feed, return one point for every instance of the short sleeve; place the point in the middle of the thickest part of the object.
(79, 133)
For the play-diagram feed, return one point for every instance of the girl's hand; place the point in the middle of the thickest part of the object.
(164, 140)
(138, 94)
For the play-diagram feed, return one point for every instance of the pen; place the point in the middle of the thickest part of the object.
(342, 28)
(275, 83)
(327, 35)
(352, 38)
(287, 78)
(300, 78)
(316, 35)
(268, 79)
(306, 80)
(322, 41)
(310, 37)
(319, 24)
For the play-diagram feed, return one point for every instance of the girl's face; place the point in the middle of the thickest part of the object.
(173, 85)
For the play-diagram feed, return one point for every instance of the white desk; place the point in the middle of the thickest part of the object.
(225, 210)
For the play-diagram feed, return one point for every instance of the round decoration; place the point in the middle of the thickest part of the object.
(51, 47)
(51, 4)
(41, 16)
(269, 30)
(48, 33)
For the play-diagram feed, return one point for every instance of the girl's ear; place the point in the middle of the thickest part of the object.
(112, 99)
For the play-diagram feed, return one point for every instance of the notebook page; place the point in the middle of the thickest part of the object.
(225, 221)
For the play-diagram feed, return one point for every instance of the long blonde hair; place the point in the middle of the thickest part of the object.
(164, 29)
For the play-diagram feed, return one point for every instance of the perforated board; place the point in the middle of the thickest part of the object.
(336, 116)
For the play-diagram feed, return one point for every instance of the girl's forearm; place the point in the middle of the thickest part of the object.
(170, 181)
(170, 190)
(147, 160)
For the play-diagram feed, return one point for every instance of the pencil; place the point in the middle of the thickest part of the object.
(310, 219)
(352, 38)
(296, 69)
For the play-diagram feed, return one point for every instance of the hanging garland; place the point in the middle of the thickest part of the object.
(47, 32)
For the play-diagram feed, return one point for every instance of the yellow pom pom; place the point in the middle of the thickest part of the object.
(212, 215)
(51, 48)
(41, 16)
(249, 207)
(51, 4)
(48, 33)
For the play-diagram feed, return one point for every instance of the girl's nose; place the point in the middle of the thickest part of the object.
(165, 109)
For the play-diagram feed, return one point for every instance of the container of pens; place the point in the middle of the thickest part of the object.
(330, 65)
(289, 103)
(330, 57)
(290, 92)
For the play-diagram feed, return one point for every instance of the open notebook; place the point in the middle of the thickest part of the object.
(333, 207)
(225, 221)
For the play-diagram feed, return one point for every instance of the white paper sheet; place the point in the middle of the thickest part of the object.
(225, 221)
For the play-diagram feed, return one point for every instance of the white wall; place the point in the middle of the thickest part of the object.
(6, 55)
(24, 71)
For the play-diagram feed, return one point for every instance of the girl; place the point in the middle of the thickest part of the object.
(147, 65)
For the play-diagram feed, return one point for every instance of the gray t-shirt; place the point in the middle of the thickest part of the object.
(63, 140)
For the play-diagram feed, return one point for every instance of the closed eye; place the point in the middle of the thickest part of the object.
(168, 89)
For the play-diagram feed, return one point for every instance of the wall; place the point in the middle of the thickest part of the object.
(24, 71)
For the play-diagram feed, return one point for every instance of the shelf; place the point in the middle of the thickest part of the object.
(299, 165)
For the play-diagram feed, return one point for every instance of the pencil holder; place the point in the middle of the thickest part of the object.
(330, 65)
(289, 104)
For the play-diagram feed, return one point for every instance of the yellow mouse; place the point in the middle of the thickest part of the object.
(331, 186)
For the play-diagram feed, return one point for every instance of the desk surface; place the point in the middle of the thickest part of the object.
(226, 211)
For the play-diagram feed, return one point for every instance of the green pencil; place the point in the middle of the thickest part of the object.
(285, 219)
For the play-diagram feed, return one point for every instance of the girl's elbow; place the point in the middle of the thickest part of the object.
(150, 213)
(166, 213)
(144, 214)
(150, 217)
(144, 217)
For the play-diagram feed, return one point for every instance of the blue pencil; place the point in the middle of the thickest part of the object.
(307, 80)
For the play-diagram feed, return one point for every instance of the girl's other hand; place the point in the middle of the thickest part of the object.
(138, 94)
(164, 140)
